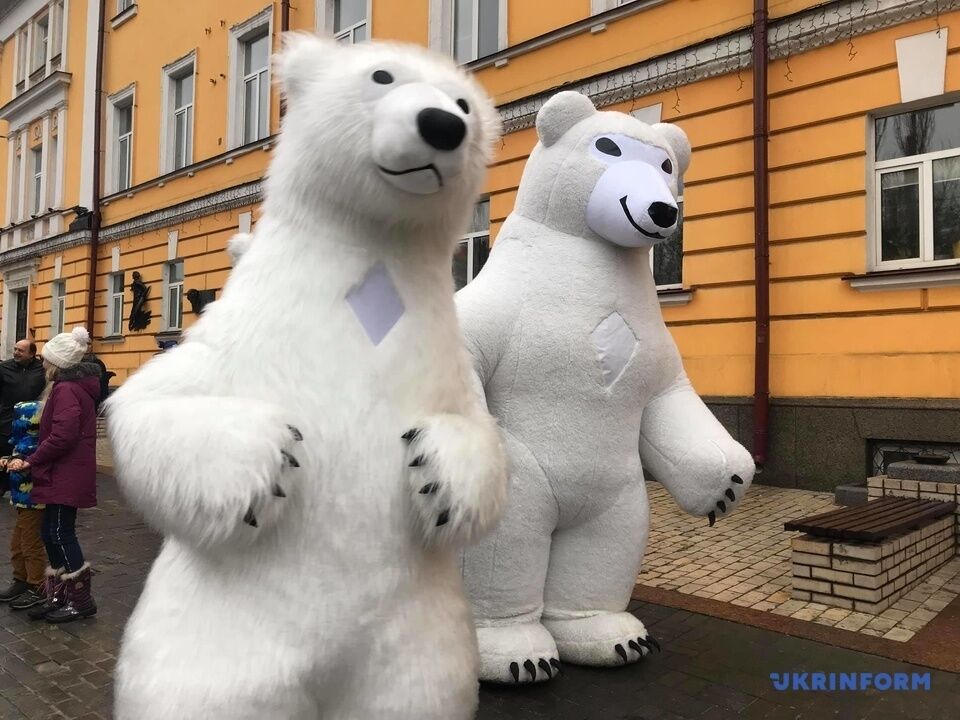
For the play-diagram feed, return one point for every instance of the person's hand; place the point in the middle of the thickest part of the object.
(3, 463)
(17, 465)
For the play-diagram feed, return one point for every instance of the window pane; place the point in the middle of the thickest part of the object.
(123, 164)
(460, 265)
(347, 13)
(946, 208)
(179, 139)
(117, 281)
(360, 34)
(176, 272)
(489, 39)
(668, 257)
(255, 54)
(250, 110)
(37, 161)
(183, 90)
(481, 251)
(60, 313)
(463, 31)
(918, 132)
(116, 320)
(263, 98)
(124, 119)
(900, 215)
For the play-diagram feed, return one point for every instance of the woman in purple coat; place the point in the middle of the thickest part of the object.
(64, 471)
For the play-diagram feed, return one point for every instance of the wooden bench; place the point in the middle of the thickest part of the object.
(875, 521)
(866, 557)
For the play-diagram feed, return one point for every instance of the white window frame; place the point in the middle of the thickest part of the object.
(115, 323)
(37, 184)
(124, 5)
(117, 101)
(187, 65)
(58, 306)
(34, 67)
(325, 15)
(475, 49)
(924, 164)
(349, 35)
(442, 28)
(239, 35)
(167, 287)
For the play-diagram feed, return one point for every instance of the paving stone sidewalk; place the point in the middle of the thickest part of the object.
(744, 560)
(709, 668)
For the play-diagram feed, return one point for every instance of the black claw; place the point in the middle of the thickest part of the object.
(411, 435)
(545, 666)
(444, 517)
(290, 459)
(713, 518)
(297, 435)
(417, 461)
(737, 479)
(530, 668)
(621, 652)
(729, 493)
(646, 644)
(653, 641)
(429, 488)
(250, 519)
(722, 505)
(556, 665)
(278, 491)
(515, 671)
(636, 648)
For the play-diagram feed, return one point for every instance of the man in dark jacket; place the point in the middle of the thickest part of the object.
(22, 379)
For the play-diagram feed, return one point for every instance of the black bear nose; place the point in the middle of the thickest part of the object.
(662, 214)
(441, 129)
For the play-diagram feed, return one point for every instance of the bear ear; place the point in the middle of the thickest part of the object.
(677, 140)
(560, 113)
(298, 61)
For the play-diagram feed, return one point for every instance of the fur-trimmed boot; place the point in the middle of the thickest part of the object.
(79, 600)
(53, 590)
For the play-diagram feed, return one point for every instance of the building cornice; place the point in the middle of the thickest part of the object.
(808, 30)
(47, 246)
(49, 93)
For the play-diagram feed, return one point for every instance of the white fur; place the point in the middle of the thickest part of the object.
(575, 361)
(345, 600)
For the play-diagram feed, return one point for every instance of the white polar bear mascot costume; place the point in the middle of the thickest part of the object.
(568, 341)
(314, 451)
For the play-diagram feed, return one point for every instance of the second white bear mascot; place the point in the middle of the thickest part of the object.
(568, 341)
(313, 451)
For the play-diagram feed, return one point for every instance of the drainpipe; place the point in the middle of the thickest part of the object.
(284, 15)
(97, 168)
(761, 200)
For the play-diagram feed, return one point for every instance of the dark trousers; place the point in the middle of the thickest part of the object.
(60, 537)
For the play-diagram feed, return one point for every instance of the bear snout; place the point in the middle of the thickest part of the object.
(440, 129)
(662, 214)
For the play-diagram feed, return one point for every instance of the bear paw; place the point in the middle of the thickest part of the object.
(269, 505)
(602, 640)
(457, 474)
(517, 654)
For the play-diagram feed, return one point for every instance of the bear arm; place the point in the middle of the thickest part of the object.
(690, 453)
(192, 462)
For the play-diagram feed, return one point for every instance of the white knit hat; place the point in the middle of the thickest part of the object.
(66, 350)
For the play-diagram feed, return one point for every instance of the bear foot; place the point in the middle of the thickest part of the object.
(602, 640)
(517, 654)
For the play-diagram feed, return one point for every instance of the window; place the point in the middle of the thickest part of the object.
(666, 257)
(917, 185)
(173, 296)
(123, 5)
(21, 61)
(256, 88)
(476, 29)
(57, 306)
(41, 37)
(22, 299)
(350, 20)
(474, 247)
(37, 164)
(123, 145)
(115, 305)
(178, 121)
(14, 185)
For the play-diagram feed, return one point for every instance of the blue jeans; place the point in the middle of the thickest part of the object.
(60, 537)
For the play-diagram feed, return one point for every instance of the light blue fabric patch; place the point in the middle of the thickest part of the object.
(615, 344)
(376, 303)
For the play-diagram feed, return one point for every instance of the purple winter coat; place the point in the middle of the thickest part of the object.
(64, 465)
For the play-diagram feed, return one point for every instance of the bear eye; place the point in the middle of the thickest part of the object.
(463, 106)
(608, 147)
(382, 77)
(667, 166)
